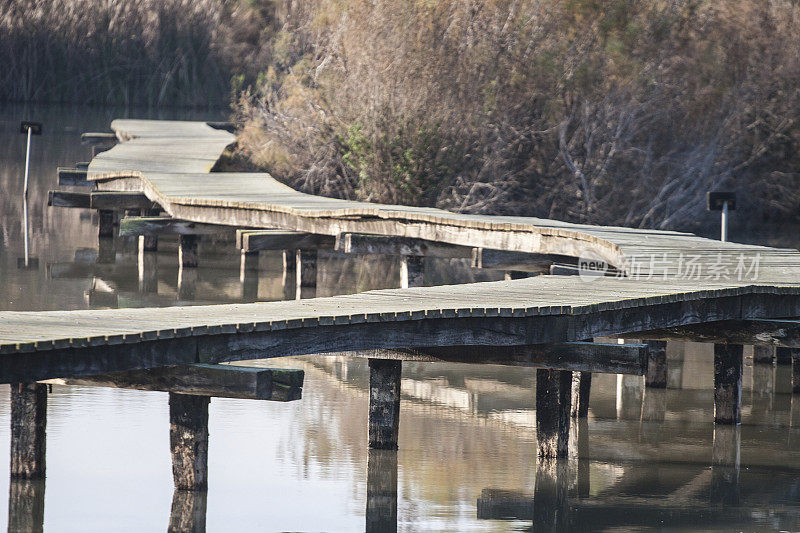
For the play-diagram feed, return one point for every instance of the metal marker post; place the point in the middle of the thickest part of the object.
(723, 231)
(27, 169)
(723, 201)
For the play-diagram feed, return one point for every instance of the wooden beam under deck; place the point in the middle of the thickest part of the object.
(130, 226)
(219, 381)
(272, 239)
(758, 332)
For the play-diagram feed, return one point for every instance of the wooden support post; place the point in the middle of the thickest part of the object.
(725, 465)
(248, 275)
(106, 250)
(676, 358)
(656, 376)
(28, 430)
(796, 372)
(550, 496)
(728, 383)
(515, 274)
(148, 271)
(782, 393)
(26, 505)
(553, 392)
(187, 251)
(384, 403)
(149, 242)
(762, 386)
(582, 452)
(581, 387)
(763, 354)
(306, 274)
(188, 438)
(188, 514)
(105, 225)
(289, 275)
(412, 271)
(381, 515)
(783, 356)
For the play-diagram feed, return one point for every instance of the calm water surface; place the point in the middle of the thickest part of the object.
(467, 458)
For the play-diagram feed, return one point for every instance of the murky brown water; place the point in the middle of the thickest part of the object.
(467, 458)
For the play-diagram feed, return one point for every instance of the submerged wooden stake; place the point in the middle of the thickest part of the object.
(728, 383)
(384, 403)
(28, 430)
(188, 438)
(763, 354)
(553, 392)
(188, 511)
(105, 226)
(550, 496)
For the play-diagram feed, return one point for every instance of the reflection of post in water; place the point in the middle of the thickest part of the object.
(248, 275)
(148, 269)
(582, 439)
(188, 513)
(654, 405)
(629, 396)
(306, 276)
(763, 384)
(26, 261)
(26, 505)
(28, 447)
(725, 464)
(289, 275)
(782, 397)
(187, 283)
(381, 512)
(676, 356)
(550, 504)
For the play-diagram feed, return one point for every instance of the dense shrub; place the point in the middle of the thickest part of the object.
(603, 111)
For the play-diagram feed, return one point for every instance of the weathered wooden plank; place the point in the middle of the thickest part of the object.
(359, 243)
(576, 356)
(68, 199)
(765, 332)
(163, 226)
(119, 200)
(73, 176)
(99, 138)
(221, 381)
(518, 261)
(260, 240)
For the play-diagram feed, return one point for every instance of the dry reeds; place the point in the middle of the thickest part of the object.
(601, 111)
(128, 52)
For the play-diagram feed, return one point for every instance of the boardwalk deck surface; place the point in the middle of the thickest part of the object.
(169, 162)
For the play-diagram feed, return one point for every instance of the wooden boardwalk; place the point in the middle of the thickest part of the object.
(170, 161)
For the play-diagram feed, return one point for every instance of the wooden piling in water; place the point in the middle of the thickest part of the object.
(783, 356)
(553, 400)
(28, 430)
(656, 376)
(105, 225)
(796, 372)
(306, 277)
(289, 275)
(381, 514)
(728, 362)
(581, 388)
(384, 403)
(187, 251)
(188, 438)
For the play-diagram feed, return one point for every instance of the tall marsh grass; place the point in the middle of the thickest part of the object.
(128, 52)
